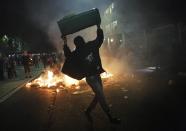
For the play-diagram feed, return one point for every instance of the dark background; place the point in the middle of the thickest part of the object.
(30, 20)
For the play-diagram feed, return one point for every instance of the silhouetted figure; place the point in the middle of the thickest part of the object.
(36, 61)
(13, 66)
(89, 64)
(44, 60)
(9, 68)
(6, 65)
(1, 67)
(26, 64)
(50, 61)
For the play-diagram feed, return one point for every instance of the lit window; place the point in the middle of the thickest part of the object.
(110, 10)
(107, 11)
(115, 22)
(112, 5)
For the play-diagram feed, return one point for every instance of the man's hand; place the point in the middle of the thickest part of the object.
(64, 39)
(98, 26)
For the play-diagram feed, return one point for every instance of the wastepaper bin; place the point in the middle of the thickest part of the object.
(71, 24)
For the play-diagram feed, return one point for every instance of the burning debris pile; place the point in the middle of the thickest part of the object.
(50, 78)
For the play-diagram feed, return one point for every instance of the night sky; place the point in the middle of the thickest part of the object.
(35, 20)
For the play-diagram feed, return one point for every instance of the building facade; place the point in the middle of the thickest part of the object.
(113, 26)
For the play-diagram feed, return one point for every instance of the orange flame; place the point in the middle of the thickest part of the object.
(49, 79)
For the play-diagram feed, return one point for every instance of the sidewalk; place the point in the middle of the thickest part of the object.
(9, 86)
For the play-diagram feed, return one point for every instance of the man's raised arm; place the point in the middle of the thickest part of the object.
(99, 39)
(100, 36)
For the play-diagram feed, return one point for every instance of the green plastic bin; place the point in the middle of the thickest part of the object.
(71, 24)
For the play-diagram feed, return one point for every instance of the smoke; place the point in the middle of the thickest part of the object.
(114, 61)
(114, 65)
(44, 15)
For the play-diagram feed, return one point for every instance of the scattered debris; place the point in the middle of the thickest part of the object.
(124, 90)
(182, 73)
(170, 82)
(138, 81)
(77, 87)
(126, 97)
(80, 92)
(57, 90)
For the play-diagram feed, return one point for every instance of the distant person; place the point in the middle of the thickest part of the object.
(44, 60)
(50, 61)
(13, 66)
(89, 56)
(9, 68)
(6, 65)
(1, 67)
(26, 64)
(54, 58)
(36, 61)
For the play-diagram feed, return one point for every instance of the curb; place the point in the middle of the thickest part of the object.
(9, 94)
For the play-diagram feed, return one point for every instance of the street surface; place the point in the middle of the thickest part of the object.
(9, 86)
(143, 101)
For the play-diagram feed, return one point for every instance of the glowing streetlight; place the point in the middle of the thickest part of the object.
(111, 40)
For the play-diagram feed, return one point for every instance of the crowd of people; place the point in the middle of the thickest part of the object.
(9, 63)
(8, 66)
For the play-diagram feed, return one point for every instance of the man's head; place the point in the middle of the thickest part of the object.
(79, 41)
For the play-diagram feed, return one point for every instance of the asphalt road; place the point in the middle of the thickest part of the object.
(144, 103)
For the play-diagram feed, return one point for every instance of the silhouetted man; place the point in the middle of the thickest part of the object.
(91, 68)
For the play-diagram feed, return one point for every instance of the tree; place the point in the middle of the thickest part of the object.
(3, 44)
(10, 45)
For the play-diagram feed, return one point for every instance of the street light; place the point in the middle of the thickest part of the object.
(111, 40)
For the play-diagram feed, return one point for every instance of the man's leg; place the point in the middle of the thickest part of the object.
(92, 104)
(96, 84)
(29, 72)
(90, 108)
(25, 68)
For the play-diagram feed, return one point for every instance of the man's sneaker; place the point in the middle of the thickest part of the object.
(115, 120)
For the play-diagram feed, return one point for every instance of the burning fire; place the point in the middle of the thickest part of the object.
(106, 75)
(50, 79)
(68, 81)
